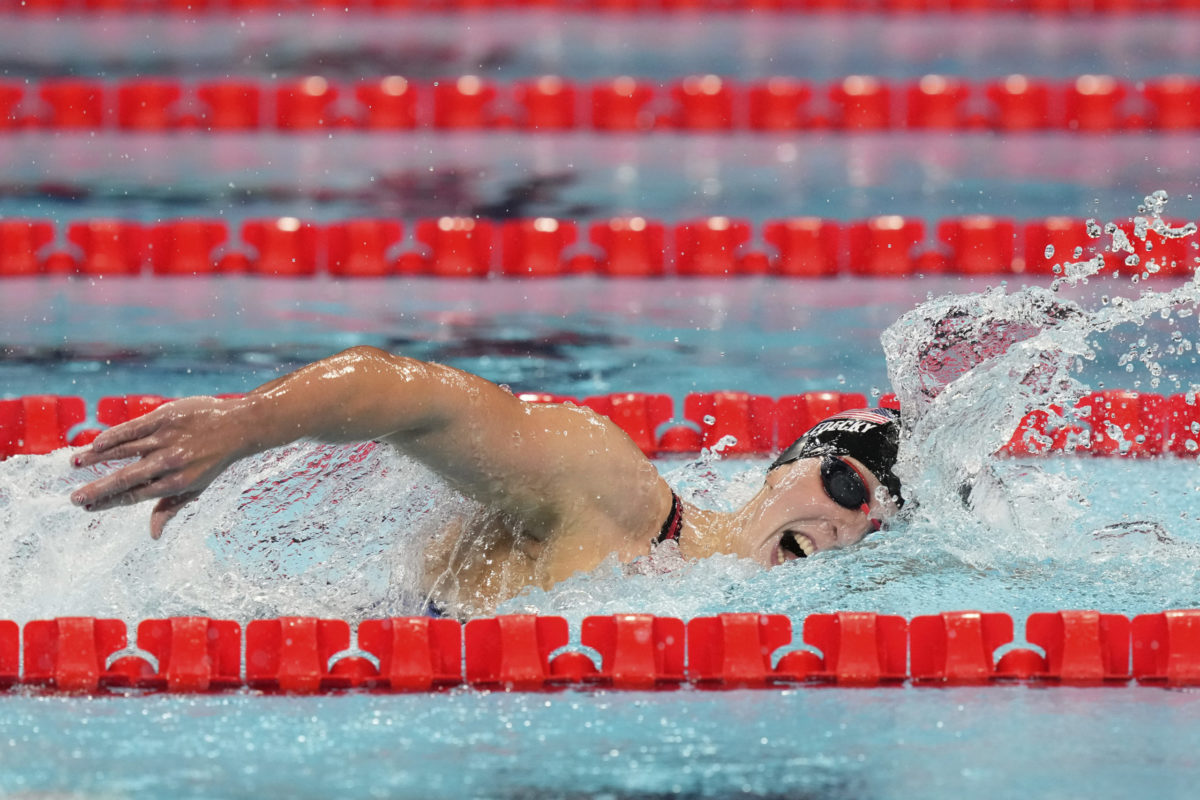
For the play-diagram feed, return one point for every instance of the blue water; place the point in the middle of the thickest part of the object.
(580, 336)
(880, 744)
(576, 337)
(512, 45)
(177, 337)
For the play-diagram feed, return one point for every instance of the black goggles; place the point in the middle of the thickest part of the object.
(844, 484)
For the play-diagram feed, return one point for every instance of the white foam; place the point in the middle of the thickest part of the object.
(309, 529)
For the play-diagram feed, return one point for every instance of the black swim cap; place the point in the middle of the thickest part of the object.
(869, 435)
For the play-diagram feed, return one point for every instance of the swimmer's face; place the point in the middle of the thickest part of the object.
(793, 516)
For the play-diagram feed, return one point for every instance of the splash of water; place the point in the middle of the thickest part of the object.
(308, 529)
(968, 368)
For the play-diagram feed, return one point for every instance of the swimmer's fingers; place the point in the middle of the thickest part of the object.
(165, 509)
(165, 425)
(139, 481)
(131, 449)
(128, 433)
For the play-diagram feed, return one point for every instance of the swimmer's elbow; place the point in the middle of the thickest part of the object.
(373, 363)
(364, 352)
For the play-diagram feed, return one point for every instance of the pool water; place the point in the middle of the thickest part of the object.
(671, 335)
(1110, 534)
(871, 743)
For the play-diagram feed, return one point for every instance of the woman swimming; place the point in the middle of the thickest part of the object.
(563, 486)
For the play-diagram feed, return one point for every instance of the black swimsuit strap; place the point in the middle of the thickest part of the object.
(674, 524)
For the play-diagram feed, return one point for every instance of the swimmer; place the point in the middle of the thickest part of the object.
(563, 487)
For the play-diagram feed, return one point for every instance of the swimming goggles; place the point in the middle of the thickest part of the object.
(846, 486)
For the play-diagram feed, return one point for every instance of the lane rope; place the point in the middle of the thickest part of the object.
(307, 655)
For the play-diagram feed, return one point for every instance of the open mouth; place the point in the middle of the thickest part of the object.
(797, 544)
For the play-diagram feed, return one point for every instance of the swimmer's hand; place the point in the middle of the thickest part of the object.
(180, 448)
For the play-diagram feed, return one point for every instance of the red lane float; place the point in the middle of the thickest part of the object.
(534, 247)
(713, 247)
(806, 247)
(705, 104)
(21, 245)
(802, 247)
(513, 652)
(71, 654)
(415, 654)
(637, 651)
(859, 648)
(1112, 423)
(884, 247)
(1082, 647)
(548, 103)
(1107, 423)
(1166, 648)
(186, 246)
(956, 647)
(459, 247)
(293, 654)
(640, 415)
(733, 651)
(304, 655)
(735, 422)
(363, 248)
(10, 653)
(632, 247)
(194, 654)
(38, 424)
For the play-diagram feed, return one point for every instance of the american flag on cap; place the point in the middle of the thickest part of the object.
(864, 415)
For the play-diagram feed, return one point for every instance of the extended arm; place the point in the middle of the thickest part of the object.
(522, 459)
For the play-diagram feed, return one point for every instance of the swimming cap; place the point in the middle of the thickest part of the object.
(870, 435)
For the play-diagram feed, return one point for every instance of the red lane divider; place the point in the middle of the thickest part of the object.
(860, 649)
(698, 103)
(637, 651)
(1082, 647)
(305, 655)
(292, 654)
(1107, 423)
(194, 654)
(734, 650)
(415, 654)
(38, 424)
(514, 652)
(801, 247)
(10, 652)
(956, 647)
(71, 653)
(1166, 648)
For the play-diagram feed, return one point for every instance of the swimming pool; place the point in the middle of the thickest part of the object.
(878, 742)
(97, 337)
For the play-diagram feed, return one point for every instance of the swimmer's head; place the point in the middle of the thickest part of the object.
(871, 436)
(829, 489)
